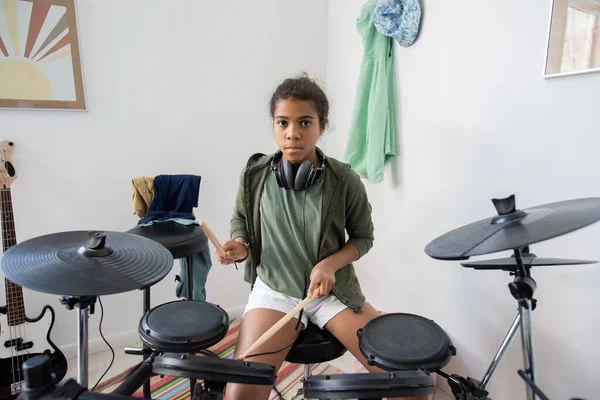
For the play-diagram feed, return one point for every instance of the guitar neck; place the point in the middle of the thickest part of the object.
(14, 293)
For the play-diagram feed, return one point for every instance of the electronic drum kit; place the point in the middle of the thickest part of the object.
(82, 265)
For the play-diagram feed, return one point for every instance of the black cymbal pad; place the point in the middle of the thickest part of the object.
(515, 229)
(510, 263)
(87, 263)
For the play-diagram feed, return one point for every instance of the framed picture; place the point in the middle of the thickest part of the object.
(573, 45)
(40, 63)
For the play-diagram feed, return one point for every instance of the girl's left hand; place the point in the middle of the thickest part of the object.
(322, 279)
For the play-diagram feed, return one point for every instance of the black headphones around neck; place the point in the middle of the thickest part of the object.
(296, 178)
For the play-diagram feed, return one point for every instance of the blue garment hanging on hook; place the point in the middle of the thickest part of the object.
(174, 198)
(399, 19)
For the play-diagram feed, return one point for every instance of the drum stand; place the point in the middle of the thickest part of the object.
(522, 289)
(86, 306)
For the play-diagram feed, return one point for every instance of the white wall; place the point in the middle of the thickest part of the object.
(182, 88)
(477, 121)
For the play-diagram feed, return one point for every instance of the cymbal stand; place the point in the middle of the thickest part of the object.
(522, 289)
(86, 306)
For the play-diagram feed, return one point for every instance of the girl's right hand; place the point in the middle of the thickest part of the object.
(233, 251)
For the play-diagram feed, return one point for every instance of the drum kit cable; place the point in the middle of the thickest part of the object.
(79, 266)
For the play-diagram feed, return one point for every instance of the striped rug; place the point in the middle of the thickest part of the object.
(288, 378)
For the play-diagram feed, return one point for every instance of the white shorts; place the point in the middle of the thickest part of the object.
(319, 311)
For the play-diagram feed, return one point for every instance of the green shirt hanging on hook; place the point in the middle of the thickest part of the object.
(372, 139)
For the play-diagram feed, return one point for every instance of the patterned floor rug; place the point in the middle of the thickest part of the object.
(173, 388)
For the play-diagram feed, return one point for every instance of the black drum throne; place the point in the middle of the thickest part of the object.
(313, 346)
(182, 241)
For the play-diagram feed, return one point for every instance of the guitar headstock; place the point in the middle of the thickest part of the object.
(7, 169)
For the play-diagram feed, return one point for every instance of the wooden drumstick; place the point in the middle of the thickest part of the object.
(213, 238)
(267, 335)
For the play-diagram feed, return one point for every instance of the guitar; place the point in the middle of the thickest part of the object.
(20, 336)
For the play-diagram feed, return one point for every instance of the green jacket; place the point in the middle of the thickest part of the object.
(372, 137)
(346, 209)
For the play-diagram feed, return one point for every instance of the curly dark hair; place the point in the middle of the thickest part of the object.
(302, 88)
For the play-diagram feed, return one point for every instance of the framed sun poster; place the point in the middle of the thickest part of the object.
(40, 64)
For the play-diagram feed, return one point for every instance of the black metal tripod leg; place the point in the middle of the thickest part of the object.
(213, 390)
(146, 390)
(189, 276)
(138, 377)
(146, 387)
(532, 385)
(192, 387)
